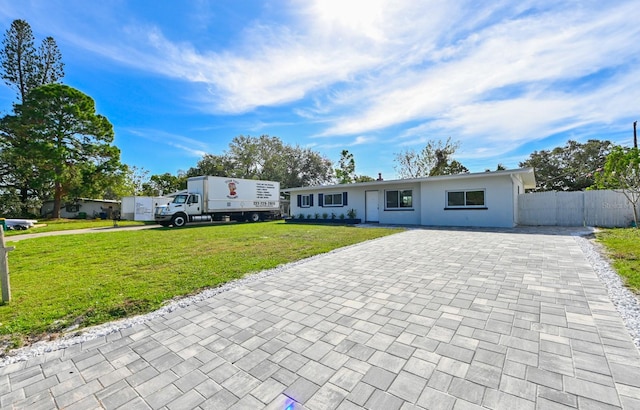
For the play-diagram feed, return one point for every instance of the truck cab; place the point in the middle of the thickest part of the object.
(180, 211)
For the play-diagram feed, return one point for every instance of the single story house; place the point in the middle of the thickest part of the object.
(483, 199)
(83, 208)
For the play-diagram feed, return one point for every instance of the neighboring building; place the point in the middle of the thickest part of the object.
(484, 199)
(82, 208)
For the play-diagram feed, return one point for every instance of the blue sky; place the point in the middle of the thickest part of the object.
(179, 79)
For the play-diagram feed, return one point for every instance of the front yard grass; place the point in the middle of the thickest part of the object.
(623, 248)
(51, 225)
(93, 278)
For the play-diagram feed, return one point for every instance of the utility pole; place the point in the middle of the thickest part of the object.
(635, 135)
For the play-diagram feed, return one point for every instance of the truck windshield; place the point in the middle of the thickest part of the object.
(180, 199)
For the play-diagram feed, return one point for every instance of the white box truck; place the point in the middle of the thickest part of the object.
(211, 198)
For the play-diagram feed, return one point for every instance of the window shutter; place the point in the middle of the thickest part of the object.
(344, 199)
(310, 199)
(321, 200)
(299, 201)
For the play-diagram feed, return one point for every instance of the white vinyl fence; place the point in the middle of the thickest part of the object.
(584, 208)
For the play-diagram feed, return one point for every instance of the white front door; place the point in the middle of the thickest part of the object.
(371, 206)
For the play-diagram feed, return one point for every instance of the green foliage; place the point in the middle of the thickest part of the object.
(621, 172)
(622, 247)
(325, 215)
(351, 213)
(267, 158)
(346, 171)
(69, 144)
(568, 168)
(364, 178)
(165, 184)
(434, 159)
(24, 68)
(90, 279)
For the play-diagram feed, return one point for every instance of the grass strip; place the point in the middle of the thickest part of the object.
(69, 224)
(89, 279)
(623, 248)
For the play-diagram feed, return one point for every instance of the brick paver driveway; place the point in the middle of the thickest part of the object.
(435, 319)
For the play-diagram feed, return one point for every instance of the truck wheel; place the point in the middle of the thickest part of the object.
(179, 220)
(254, 217)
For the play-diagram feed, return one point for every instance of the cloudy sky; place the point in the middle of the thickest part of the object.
(179, 79)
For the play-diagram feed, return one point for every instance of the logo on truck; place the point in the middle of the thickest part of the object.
(232, 189)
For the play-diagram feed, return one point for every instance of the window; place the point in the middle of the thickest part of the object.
(339, 199)
(465, 199)
(305, 201)
(333, 200)
(399, 199)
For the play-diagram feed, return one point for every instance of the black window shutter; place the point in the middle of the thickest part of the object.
(344, 199)
(299, 201)
(310, 199)
(321, 200)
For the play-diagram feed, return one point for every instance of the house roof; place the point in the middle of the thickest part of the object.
(525, 174)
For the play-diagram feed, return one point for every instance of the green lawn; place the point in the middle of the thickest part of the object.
(623, 247)
(93, 278)
(69, 224)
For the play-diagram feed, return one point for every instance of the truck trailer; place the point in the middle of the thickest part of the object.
(216, 198)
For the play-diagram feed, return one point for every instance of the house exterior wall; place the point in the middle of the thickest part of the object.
(497, 212)
(471, 200)
(355, 200)
(408, 216)
(88, 208)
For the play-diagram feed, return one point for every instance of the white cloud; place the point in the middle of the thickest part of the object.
(192, 147)
(492, 75)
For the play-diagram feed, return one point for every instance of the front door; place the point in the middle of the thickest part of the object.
(371, 206)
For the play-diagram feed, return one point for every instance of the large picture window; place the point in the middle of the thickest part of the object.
(399, 199)
(466, 199)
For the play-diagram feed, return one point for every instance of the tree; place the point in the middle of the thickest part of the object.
(214, 165)
(364, 178)
(50, 65)
(434, 159)
(69, 142)
(346, 171)
(165, 184)
(24, 68)
(267, 158)
(621, 172)
(568, 168)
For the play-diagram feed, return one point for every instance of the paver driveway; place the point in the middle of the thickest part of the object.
(436, 319)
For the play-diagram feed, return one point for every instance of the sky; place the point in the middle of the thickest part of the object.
(180, 79)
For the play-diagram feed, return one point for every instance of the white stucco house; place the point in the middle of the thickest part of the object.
(484, 199)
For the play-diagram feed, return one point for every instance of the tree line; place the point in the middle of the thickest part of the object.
(55, 146)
